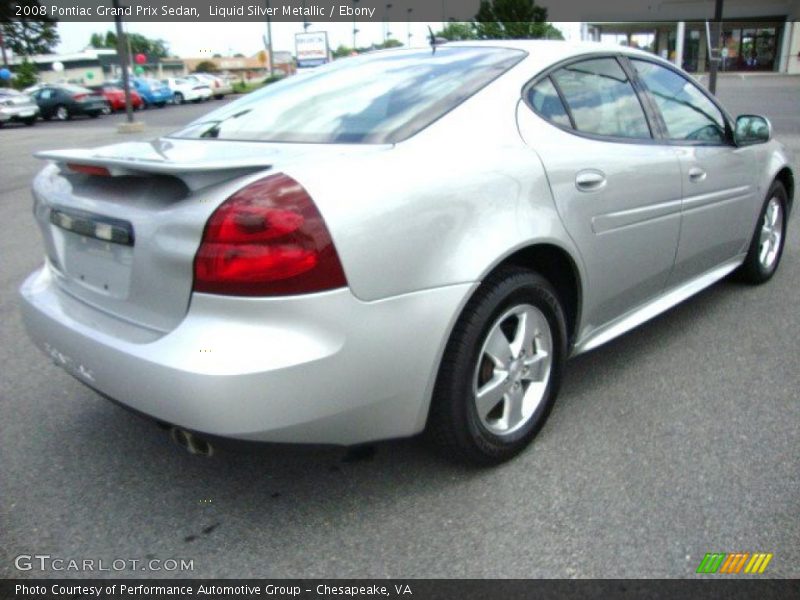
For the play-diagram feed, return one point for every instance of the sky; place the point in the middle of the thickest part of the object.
(206, 39)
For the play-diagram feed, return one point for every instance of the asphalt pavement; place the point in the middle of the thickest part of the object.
(677, 439)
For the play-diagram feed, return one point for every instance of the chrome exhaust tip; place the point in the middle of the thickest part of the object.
(190, 442)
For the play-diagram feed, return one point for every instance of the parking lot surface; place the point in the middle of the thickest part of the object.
(679, 438)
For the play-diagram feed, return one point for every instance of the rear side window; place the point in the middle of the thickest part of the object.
(688, 113)
(544, 99)
(601, 99)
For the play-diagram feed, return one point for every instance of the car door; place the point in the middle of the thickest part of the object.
(45, 98)
(718, 179)
(617, 190)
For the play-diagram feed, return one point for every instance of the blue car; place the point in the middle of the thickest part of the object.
(152, 91)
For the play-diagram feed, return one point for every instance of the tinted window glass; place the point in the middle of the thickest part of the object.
(378, 98)
(544, 99)
(687, 112)
(601, 99)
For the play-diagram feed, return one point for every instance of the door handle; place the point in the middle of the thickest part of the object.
(697, 174)
(590, 180)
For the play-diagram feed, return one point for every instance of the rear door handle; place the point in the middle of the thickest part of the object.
(590, 180)
(697, 174)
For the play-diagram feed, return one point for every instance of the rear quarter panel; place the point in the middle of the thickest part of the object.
(441, 208)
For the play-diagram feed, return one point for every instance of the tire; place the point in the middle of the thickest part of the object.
(497, 429)
(219, 96)
(178, 98)
(93, 115)
(769, 238)
(30, 122)
(62, 113)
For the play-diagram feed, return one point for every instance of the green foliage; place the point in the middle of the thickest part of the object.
(345, 51)
(390, 43)
(139, 44)
(28, 35)
(513, 19)
(25, 74)
(206, 66)
(455, 31)
(342, 51)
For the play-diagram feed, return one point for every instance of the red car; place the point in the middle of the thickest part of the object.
(116, 97)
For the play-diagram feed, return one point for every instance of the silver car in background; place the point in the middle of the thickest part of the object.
(403, 241)
(16, 107)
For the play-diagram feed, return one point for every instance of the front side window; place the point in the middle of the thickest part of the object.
(379, 98)
(687, 111)
(601, 99)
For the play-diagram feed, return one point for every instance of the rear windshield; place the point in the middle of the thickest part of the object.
(378, 98)
(76, 89)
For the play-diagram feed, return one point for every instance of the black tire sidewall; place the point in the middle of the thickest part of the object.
(454, 387)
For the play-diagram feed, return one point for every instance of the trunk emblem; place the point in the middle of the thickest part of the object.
(93, 226)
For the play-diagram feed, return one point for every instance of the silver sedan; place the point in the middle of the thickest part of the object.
(404, 241)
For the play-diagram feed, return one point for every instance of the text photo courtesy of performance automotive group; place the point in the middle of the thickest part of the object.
(479, 289)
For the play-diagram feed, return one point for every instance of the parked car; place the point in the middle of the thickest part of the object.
(152, 91)
(17, 107)
(404, 241)
(185, 90)
(62, 102)
(115, 96)
(220, 86)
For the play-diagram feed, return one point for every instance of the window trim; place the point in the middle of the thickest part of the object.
(655, 119)
(726, 117)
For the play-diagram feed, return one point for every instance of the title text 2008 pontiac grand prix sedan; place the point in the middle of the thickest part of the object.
(402, 241)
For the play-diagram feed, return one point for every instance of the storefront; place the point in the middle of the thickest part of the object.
(747, 45)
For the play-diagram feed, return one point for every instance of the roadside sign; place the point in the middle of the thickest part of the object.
(311, 49)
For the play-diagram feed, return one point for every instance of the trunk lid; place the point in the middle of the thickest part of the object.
(125, 242)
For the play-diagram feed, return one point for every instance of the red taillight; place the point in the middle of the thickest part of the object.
(268, 239)
(89, 169)
(79, 97)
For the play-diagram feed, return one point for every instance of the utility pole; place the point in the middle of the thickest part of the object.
(269, 42)
(355, 29)
(716, 33)
(122, 52)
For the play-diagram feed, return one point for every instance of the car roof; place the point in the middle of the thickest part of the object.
(542, 53)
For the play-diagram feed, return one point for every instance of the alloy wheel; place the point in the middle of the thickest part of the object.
(771, 234)
(513, 369)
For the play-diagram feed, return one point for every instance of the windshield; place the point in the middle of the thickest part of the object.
(377, 98)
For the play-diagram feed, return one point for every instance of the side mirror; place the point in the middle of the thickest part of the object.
(752, 129)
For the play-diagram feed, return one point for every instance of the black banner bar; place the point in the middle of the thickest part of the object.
(321, 11)
(413, 589)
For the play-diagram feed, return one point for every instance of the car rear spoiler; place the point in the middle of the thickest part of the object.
(195, 175)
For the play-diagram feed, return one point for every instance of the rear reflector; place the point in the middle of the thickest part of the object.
(89, 169)
(268, 239)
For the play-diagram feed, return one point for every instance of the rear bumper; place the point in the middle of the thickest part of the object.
(325, 368)
(18, 113)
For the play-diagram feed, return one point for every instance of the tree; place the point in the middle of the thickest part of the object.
(27, 35)
(206, 66)
(344, 51)
(456, 30)
(513, 19)
(25, 74)
(139, 44)
(390, 43)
